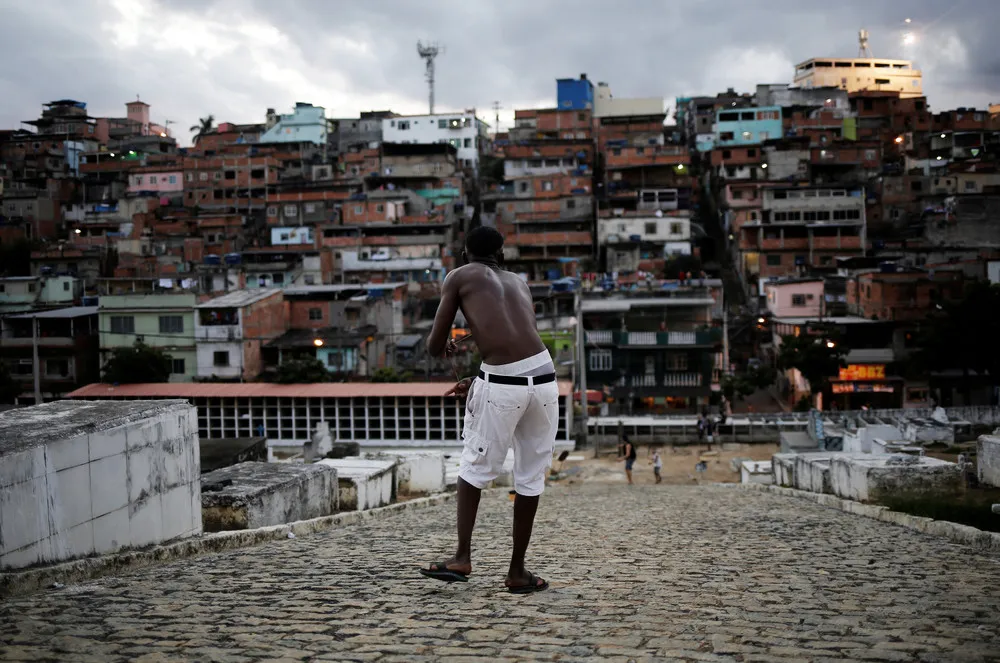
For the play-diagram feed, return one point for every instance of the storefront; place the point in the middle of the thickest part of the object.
(866, 385)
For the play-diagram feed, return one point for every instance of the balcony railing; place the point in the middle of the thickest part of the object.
(682, 338)
(641, 338)
(606, 337)
(682, 380)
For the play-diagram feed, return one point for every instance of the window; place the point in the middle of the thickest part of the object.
(737, 194)
(546, 186)
(272, 210)
(774, 260)
(729, 117)
(522, 186)
(291, 211)
(279, 278)
(202, 177)
(65, 286)
(310, 279)
(798, 300)
(152, 179)
(138, 180)
(57, 367)
(359, 209)
(257, 173)
(571, 204)
(600, 360)
(467, 142)
(220, 358)
(310, 208)
(442, 124)
(216, 176)
(650, 364)
(177, 366)
(970, 185)
(315, 314)
(380, 207)
(677, 361)
(767, 115)
(727, 154)
(403, 125)
(640, 150)
(676, 228)
(747, 116)
(171, 324)
(230, 174)
(190, 177)
(122, 324)
(727, 135)
(172, 179)
(651, 227)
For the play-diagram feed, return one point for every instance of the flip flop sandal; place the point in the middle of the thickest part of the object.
(445, 574)
(531, 587)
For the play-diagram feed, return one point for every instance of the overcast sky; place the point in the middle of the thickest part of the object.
(236, 58)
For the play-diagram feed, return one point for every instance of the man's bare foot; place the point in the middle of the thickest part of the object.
(525, 583)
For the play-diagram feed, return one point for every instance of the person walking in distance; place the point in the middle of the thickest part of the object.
(514, 401)
(628, 453)
(657, 462)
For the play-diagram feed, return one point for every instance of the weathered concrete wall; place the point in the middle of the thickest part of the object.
(252, 495)
(925, 431)
(988, 459)
(417, 472)
(874, 478)
(812, 472)
(882, 447)
(85, 477)
(860, 440)
(363, 483)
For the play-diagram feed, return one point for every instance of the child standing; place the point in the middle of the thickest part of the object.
(657, 465)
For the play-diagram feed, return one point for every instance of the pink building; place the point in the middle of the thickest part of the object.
(135, 123)
(795, 298)
(163, 180)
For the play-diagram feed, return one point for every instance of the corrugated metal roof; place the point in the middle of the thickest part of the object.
(271, 390)
(340, 287)
(594, 305)
(69, 312)
(239, 298)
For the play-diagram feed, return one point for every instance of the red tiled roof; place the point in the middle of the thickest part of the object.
(271, 390)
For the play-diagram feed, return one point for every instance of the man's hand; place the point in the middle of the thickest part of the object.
(461, 388)
(450, 348)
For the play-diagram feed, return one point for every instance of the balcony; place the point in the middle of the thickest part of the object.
(601, 337)
(218, 333)
(682, 380)
(667, 338)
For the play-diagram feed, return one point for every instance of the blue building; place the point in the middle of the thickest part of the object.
(575, 93)
(306, 124)
(747, 126)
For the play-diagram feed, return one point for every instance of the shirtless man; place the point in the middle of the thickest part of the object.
(514, 401)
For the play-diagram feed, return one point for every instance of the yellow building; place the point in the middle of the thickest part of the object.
(857, 74)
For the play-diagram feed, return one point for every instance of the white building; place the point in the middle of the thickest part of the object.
(464, 131)
(228, 331)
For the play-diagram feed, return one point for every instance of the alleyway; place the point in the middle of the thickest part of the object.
(648, 573)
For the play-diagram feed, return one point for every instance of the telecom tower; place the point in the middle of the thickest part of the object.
(863, 49)
(496, 117)
(429, 52)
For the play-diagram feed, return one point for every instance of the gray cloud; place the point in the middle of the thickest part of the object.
(189, 58)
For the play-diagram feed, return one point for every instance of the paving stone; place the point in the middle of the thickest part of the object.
(696, 573)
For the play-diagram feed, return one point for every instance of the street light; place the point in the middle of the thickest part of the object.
(831, 344)
(763, 165)
(77, 231)
(761, 320)
(899, 140)
(318, 342)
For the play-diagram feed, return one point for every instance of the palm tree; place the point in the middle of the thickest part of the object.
(204, 126)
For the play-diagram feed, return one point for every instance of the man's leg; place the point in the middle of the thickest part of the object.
(524, 521)
(468, 507)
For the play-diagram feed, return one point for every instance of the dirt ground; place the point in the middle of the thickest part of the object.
(678, 465)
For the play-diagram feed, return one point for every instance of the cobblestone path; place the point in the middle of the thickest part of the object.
(642, 574)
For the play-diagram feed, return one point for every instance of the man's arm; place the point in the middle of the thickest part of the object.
(445, 316)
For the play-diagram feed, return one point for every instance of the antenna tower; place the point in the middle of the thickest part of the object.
(429, 52)
(864, 51)
(496, 117)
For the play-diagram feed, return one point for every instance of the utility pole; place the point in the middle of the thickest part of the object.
(725, 337)
(496, 118)
(581, 352)
(35, 362)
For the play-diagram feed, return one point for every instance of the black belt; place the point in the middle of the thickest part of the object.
(519, 381)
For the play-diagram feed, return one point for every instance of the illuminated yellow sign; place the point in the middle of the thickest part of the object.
(863, 372)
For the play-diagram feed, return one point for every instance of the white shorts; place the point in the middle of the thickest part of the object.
(500, 415)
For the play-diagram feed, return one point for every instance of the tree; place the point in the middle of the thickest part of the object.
(963, 335)
(742, 385)
(388, 374)
(814, 358)
(140, 363)
(304, 370)
(204, 126)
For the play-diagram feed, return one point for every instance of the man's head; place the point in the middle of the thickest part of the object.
(484, 243)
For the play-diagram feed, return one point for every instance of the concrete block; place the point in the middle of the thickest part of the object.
(111, 531)
(108, 488)
(145, 521)
(24, 514)
(882, 447)
(68, 513)
(812, 472)
(22, 465)
(22, 557)
(66, 478)
(71, 452)
(988, 459)
(251, 495)
(108, 443)
(175, 512)
(418, 472)
(783, 469)
(873, 478)
(364, 484)
(756, 472)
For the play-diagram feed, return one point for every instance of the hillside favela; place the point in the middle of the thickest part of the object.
(396, 332)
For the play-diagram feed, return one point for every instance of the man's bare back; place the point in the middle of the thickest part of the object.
(498, 307)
